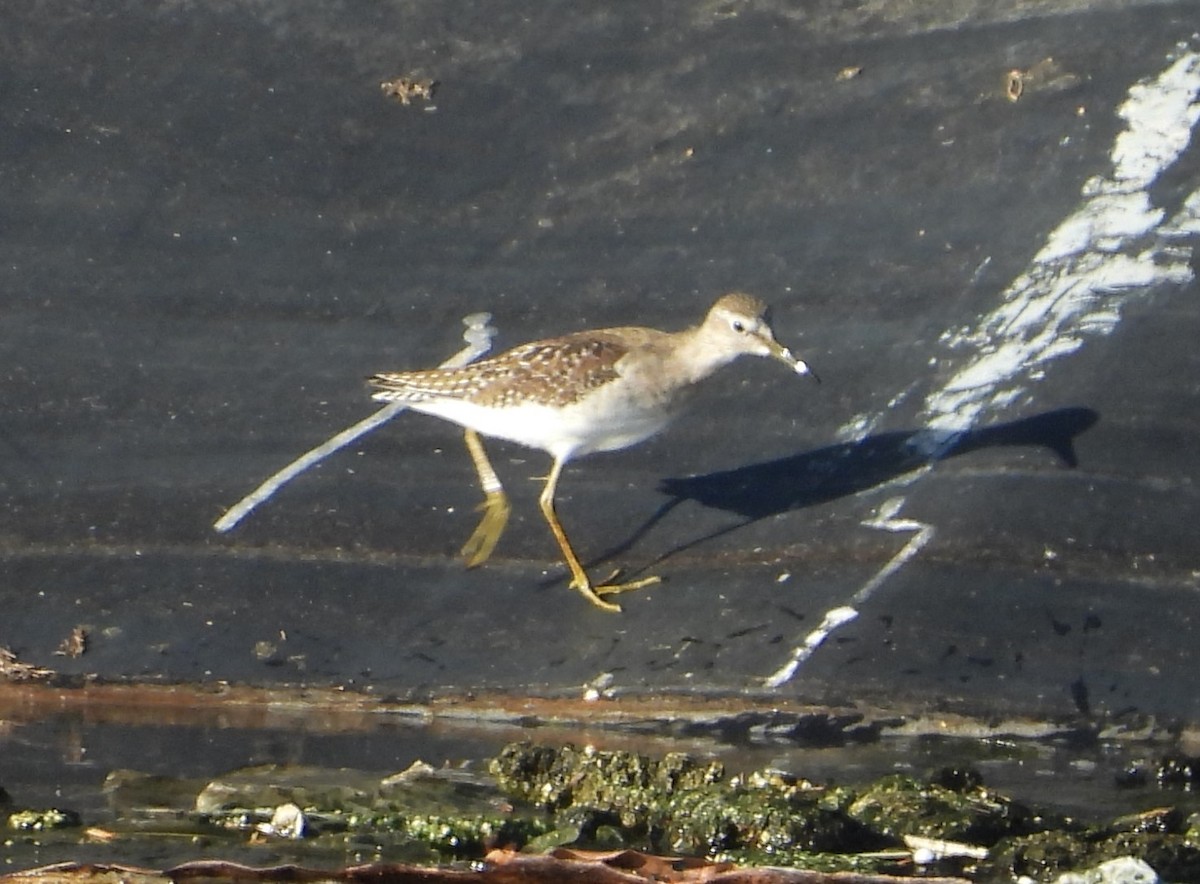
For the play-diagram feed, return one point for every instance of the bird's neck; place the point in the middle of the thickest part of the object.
(698, 355)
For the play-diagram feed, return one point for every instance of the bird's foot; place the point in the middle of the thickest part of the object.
(483, 540)
(595, 594)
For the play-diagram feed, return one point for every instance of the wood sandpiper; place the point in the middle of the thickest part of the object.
(598, 390)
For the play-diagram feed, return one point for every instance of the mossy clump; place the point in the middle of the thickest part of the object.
(1159, 838)
(625, 784)
(539, 797)
(468, 836)
(681, 804)
(899, 805)
(40, 820)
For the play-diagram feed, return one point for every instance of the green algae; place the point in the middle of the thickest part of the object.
(684, 805)
(40, 820)
(1175, 856)
(898, 805)
(535, 798)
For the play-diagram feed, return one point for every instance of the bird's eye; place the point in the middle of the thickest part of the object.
(739, 326)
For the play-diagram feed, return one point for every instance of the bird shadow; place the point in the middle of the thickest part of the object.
(835, 471)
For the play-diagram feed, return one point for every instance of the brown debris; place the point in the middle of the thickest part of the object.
(86, 873)
(500, 867)
(406, 89)
(75, 644)
(13, 669)
(1014, 85)
(1047, 75)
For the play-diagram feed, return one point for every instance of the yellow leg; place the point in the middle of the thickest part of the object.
(495, 507)
(579, 578)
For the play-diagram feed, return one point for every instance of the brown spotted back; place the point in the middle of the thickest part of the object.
(555, 372)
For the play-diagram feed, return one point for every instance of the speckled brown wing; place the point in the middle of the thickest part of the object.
(553, 372)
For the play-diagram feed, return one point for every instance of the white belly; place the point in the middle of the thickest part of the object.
(600, 423)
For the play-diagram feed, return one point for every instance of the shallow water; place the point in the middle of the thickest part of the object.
(62, 759)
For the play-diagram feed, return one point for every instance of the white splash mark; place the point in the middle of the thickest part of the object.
(885, 521)
(833, 619)
(857, 428)
(862, 425)
(1077, 283)
(479, 340)
(1073, 290)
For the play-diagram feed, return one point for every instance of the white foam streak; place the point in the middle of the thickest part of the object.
(1078, 281)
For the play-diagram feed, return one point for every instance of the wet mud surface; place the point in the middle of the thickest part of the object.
(973, 545)
(219, 224)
